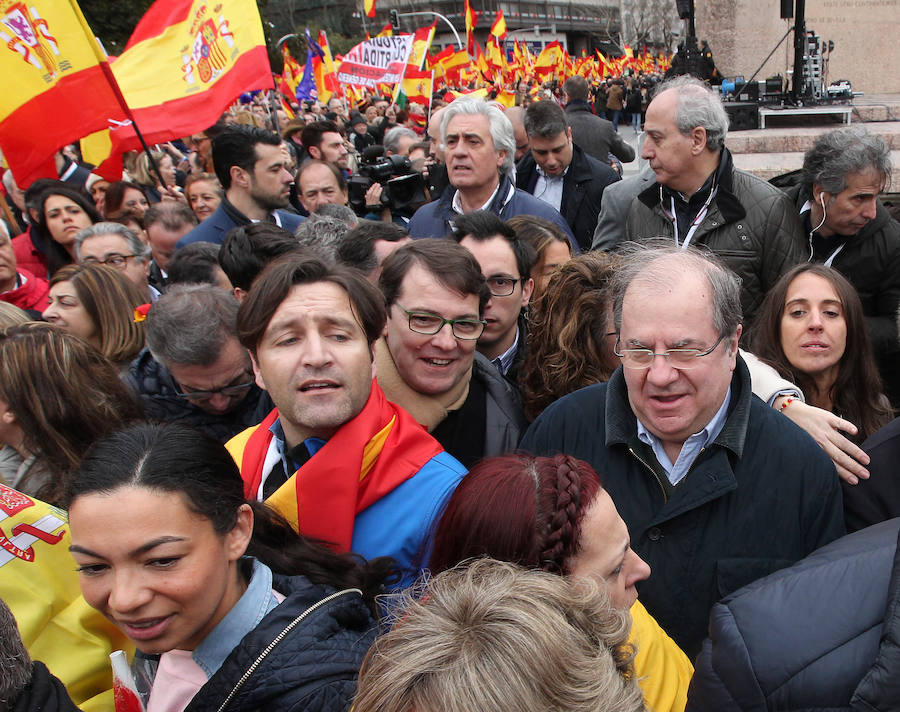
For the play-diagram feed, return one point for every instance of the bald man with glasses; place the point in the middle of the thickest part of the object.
(717, 489)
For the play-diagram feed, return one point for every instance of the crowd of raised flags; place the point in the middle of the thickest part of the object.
(188, 60)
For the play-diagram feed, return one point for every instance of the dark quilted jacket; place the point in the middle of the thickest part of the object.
(821, 635)
(313, 665)
(750, 224)
(159, 396)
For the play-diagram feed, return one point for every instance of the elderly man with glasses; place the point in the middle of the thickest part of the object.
(116, 246)
(717, 489)
(194, 370)
(437, 299)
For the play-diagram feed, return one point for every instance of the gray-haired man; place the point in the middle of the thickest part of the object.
(717, 489)
(194, 370)
(700, 198)
(479, 146)
(116, 246)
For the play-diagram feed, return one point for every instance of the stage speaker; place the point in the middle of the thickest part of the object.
(742, 116)
(787, 9)
(684, 8)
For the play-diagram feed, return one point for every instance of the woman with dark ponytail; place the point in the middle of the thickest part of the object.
(552, 513)
(227, 606)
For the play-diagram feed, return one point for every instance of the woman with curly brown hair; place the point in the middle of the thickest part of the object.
(571, 334)
(553, 514)
(57, 396)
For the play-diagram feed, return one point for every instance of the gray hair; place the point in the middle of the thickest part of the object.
(322, 234)
(140, 251)
(545, 119)
(501, 128)
(339, 212)
(392, 137)
(655, 262)
(698, 106)
(15, 664)
(838, 153)
(494, 636)
(190, 324)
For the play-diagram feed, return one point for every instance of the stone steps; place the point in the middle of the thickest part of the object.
(776, 150)
(770, 165)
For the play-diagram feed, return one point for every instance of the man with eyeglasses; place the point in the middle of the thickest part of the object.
(335, 457)
(194, 370)
(427, 360)
(506, 263)
(717, 489)
(116, 246)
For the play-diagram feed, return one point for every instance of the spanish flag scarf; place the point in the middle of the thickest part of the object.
(371, 455)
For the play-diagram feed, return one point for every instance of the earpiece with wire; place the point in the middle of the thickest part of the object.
(822, 201)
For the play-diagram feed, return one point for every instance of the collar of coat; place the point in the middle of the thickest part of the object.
(621, 423)
(728, 203)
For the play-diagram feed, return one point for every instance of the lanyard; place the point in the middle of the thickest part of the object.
(697, 220)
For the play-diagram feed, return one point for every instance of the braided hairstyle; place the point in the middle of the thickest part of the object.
(518, 508)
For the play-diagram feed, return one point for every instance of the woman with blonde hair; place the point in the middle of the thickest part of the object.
(493, 636)
(97, 303)
(147, 178)
(57, 396)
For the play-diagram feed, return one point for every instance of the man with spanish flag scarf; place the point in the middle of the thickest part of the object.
(335, 457)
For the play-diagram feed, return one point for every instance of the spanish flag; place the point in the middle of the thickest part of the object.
(421, 42)
(185, 63)
(369, 7)
(471, 22)
(57, 87)
(498, 29)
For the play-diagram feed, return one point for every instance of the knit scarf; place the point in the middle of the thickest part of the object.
(428, 410)
(367, 458)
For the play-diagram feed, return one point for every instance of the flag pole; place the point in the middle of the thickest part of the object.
(110, 77)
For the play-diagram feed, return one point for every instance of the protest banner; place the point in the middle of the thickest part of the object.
(380, 60)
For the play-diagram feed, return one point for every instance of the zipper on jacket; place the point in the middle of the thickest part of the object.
(652, 472)
(278, 638)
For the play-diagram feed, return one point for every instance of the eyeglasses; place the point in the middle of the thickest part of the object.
(502, 286)
(114, 260)
(682, 359)
(230, 391)
(430, 324)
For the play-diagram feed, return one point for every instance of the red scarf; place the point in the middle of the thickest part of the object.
(371, 455)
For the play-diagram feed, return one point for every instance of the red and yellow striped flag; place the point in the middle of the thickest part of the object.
(471, 22)
(498, 29)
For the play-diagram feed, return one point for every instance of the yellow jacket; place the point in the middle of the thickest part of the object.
(39, 584)
(664, 672)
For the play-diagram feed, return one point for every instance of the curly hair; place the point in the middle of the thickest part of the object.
(856, 393)
(492, 636)
(567, 330)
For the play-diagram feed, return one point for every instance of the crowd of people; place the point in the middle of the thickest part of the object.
(325, 412)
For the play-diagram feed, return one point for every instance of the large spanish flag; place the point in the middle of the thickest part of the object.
(186, 62)
(56, 87)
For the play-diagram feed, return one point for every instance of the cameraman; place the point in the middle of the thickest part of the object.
(387, 187)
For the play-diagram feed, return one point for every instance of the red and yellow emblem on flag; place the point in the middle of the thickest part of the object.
(58, 89)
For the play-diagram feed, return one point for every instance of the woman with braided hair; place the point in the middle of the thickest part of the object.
(552, 513)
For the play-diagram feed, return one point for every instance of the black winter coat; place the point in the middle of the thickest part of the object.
(821, 635)
(583, 187)
(758, 498)
(304, 655)
(158, 393)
